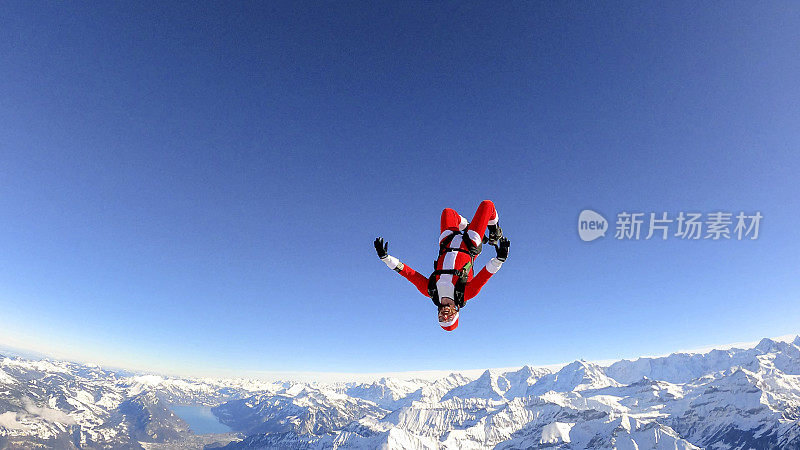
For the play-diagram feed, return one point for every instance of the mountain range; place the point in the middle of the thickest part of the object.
(738, 398)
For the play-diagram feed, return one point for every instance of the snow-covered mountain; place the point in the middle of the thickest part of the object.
(737, 398)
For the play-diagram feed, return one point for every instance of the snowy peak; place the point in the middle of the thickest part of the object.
(148, 419)
(684, 367)
(497, 385)
(387, 392)
(302, 410)
(576, 376)
(527, 374)
(486, 386)
(767, 345)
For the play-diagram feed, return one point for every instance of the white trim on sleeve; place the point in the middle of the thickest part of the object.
(391, 261)
(475, 237)
(494, 265)
(495, 220)
(463, 224)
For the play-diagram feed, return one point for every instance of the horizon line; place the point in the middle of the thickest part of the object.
(335, 377)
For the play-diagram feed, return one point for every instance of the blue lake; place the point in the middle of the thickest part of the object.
(200, 419)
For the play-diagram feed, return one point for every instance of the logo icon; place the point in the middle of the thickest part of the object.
(591, 225)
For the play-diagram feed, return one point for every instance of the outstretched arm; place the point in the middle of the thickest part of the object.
(417, 279)
(474, 286)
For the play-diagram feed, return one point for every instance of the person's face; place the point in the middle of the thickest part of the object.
(448, 309)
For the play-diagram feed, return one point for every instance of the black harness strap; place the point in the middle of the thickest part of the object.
(472, 249)
(462, 275)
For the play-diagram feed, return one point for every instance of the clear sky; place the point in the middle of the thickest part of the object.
(195, 187)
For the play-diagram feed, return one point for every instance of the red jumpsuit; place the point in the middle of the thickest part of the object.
(452, 223)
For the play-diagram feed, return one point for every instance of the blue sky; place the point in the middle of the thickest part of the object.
(195, 187)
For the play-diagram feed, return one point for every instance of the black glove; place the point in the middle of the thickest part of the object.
(383, 248)
(502, 248)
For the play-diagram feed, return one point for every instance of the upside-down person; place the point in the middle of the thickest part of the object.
(452, 283)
